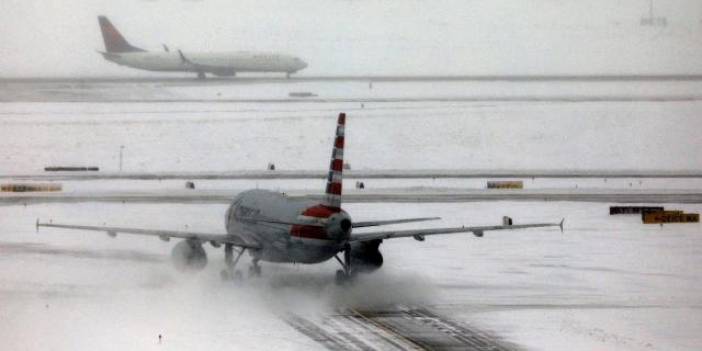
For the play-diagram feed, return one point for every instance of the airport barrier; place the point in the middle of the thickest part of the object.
(29, 187)
(70, 169)
(505, 184)
(301, 94)
(673, 212)
(615, 210)
(670, 217)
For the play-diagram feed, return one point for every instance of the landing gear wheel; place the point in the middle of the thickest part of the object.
(228, 275)
(254, 271)
(340, 277)
(201, 75)
(343, 277)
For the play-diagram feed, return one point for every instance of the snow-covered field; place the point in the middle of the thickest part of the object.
(219, 136)
(608, 283)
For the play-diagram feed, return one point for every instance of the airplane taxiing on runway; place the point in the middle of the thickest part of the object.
(119, 51)
(276, 228)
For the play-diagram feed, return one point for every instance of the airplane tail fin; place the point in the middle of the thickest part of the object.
(114, 41)
(336, 166)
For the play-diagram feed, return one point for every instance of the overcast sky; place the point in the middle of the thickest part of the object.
(59, 38)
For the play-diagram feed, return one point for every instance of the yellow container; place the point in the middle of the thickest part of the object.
(29, 187)
(670, 217)
(505, 184)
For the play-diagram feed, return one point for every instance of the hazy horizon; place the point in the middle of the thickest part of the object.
(373, 37)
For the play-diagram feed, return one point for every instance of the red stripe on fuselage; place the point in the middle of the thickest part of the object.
(339, 142)
(320, 211)
(308, 232)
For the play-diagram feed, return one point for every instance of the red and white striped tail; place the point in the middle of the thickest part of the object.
(333, 193)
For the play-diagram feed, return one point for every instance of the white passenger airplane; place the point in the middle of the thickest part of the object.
(119, 51)
(277, 228)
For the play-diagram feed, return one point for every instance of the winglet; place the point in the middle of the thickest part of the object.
(184, 59)
(560, 225)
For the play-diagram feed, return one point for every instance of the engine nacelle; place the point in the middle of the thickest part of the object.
(366, 256)
(189, 255)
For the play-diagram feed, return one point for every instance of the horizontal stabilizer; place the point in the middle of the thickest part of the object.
(392, 221)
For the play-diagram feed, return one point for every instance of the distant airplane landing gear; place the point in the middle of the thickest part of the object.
(230, 273)
(201, 75)
(287, 75)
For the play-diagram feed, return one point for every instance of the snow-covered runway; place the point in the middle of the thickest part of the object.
(608, 282)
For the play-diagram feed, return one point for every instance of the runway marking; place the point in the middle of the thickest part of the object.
(395, 329)
(384, 328)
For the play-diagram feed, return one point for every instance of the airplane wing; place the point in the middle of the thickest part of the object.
(392, 221)
(419, 234)
(186, 61)
(162, 234)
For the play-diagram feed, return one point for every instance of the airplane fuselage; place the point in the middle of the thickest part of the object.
(280, 242)
(222, 64)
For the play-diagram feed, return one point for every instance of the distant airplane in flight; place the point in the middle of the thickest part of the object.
(277, 228)
(226, 64)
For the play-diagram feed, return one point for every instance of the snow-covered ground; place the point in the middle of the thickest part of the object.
(608, 283)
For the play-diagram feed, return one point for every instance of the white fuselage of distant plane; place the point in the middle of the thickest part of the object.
(222, 64)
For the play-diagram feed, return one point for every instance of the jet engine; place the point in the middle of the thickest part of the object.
(366, 256)
(224, 72)
(189, 255)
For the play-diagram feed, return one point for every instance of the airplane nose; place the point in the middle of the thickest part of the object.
(303, 64)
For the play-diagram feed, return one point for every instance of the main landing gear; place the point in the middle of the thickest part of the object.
(230, 273)
(345, 274)
(201, 75)
(254, 268)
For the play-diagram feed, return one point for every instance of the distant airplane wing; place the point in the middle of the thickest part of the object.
(162, 234)
(419, 234)
(186, 61)
(392, 221)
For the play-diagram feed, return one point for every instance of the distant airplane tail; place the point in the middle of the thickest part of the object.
(336, 166)
(114, 41)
